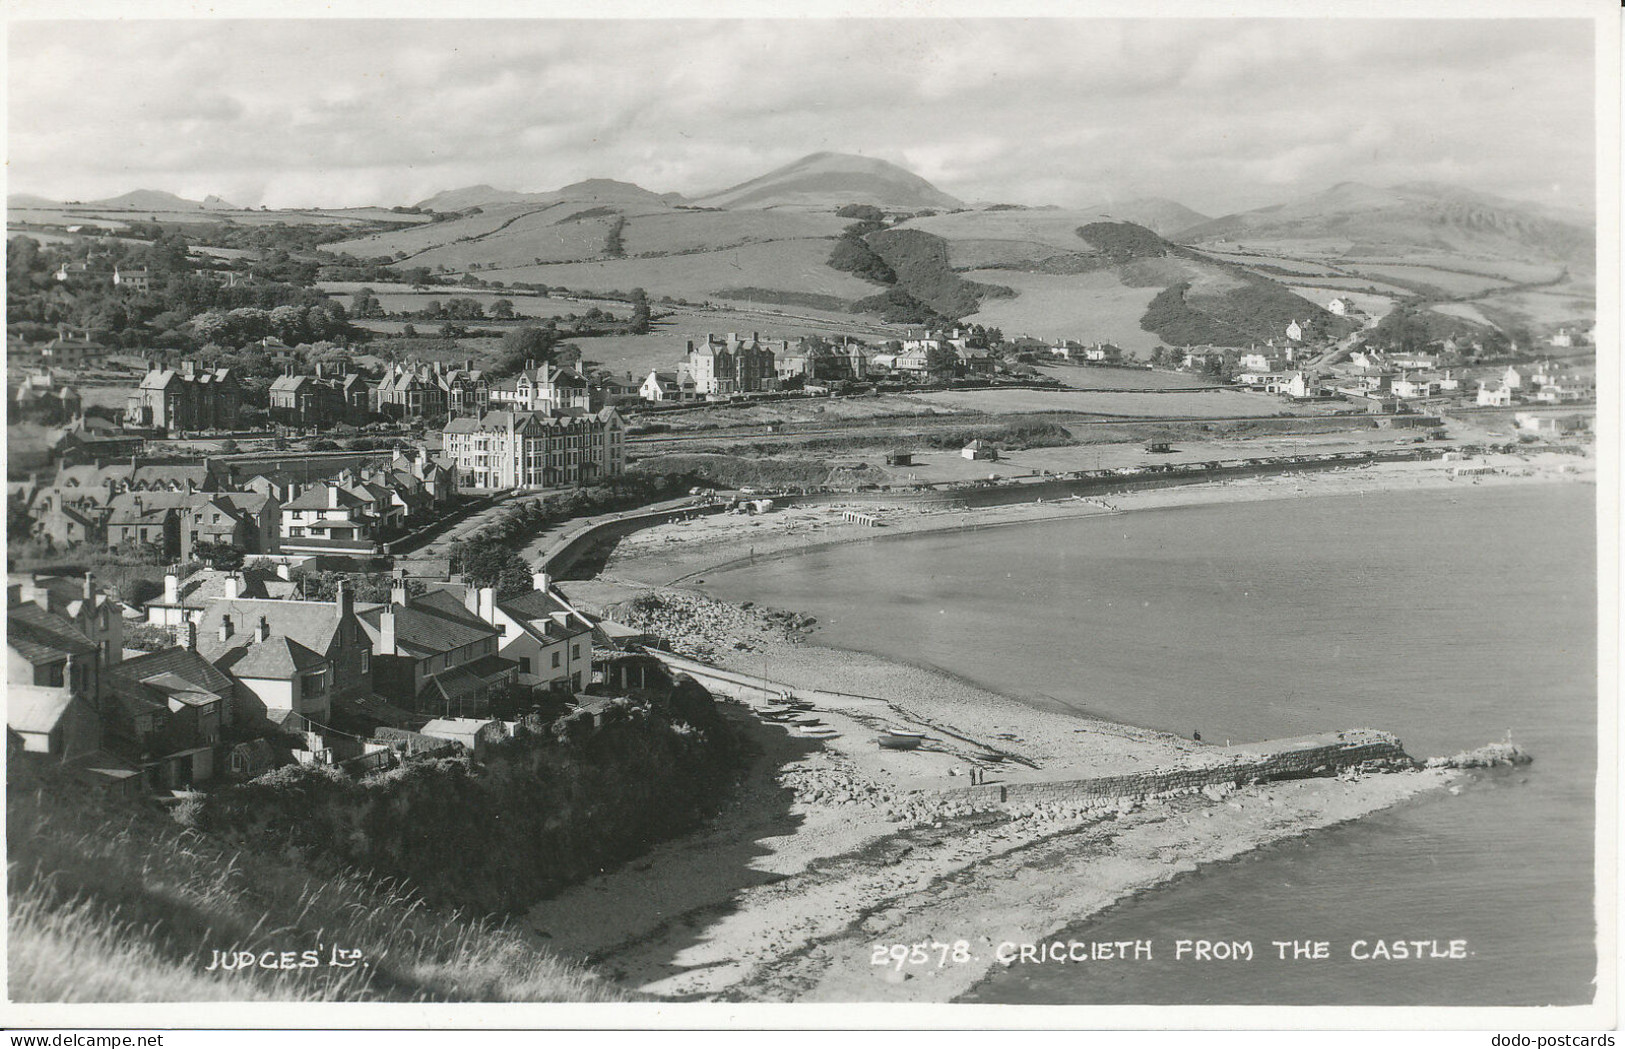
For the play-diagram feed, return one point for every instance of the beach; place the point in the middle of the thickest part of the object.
(834, 849)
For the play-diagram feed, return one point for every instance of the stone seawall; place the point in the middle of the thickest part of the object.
(1322, 755)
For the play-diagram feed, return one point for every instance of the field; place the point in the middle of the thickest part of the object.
(420, 238)
(698, 231)
(1465, 310)
(793, 265)
(1373, 305)
(1544, 308)
(119, 219)
(552, 235)
(70, 238)
(1055, 229)
(1300, 267)
(1448, 281)
(1501, 269)
(1196, 403)
(1090, 377)
(1088, 307)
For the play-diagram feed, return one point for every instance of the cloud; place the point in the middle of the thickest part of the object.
(1220, 114)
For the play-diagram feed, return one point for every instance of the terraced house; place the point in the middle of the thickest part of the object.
(731, 365)
(190, 398)
(503, 449)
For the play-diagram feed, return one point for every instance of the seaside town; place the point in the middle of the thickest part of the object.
(822, 589)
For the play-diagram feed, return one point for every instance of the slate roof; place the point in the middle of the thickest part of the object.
(316, 498)
(176, 662)
(40, 637)
(155, 506)
(428, 629)
(34, 709)
(275, 657)
(314, 624)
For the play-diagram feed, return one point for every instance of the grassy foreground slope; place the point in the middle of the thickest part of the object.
(111, 901)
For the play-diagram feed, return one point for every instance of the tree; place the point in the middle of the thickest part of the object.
(526, 344)
(485, 562)
(941, 362)
(364, 303)
(502, 310)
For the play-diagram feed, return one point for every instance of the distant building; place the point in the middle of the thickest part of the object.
(726, 366)
(1295, 331)
(542, 389)
(190, 398)
(332, 395)
(664, 387)
(138, 281)
(1494, 395)
(536, 449)
(979, 449)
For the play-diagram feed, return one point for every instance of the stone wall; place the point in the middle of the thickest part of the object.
(1322, 755)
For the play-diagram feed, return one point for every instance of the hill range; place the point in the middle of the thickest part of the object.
(1477, 259)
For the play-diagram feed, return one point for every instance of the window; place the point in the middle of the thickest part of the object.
(575, 651)
(555, 661)
(366, 661)
(524, 664)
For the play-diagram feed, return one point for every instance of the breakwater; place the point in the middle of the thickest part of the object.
(1224, 767)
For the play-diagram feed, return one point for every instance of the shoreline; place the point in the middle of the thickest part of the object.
(675, 555)
(834, 846)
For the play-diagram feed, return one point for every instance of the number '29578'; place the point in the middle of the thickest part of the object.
(925, 952)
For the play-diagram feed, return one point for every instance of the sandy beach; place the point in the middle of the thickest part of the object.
(834, 849)
(682, 553)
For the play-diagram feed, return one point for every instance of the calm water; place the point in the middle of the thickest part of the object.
(1446, 617)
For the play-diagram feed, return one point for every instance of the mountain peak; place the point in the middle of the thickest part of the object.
(829, 179)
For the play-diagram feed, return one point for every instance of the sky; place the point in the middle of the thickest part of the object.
(1220, 115)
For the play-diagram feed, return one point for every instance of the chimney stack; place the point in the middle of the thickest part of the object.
(344, 599)
(225, 628)
(386, 632)
(487, 610)
(189, 634)
(90, 586)
(172, 583)
(541, 581)
(263, 631)
(234, 589)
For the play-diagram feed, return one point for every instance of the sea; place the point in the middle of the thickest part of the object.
(1451, 617)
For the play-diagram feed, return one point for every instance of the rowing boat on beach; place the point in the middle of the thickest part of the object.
(900, 739)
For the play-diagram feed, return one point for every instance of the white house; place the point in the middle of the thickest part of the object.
(1294, 331)
(540, 631)
(1494, 395)
(1512, 378)
(1340, 307)
(662, 387)
(1408, 388)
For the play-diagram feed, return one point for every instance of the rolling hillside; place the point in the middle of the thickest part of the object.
(1160, 215)
(1416, 217)
(830, 180)
(158, 200)
(596, 190)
